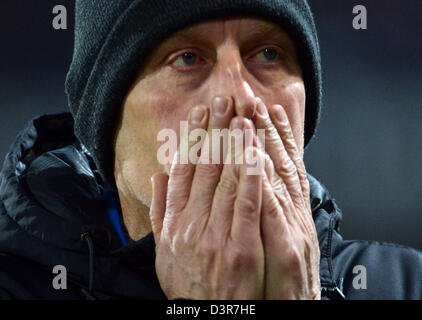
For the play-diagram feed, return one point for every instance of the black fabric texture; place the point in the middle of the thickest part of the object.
(51, 201)
(113, 38)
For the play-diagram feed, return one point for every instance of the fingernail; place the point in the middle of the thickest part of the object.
(196, 115)
(220, 106)
(247, 124)
(260, 108)
(237, 123)
(279, 114)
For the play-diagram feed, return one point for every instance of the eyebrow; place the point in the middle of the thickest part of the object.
(260, 31)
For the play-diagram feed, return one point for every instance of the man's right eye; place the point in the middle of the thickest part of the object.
(186, 59)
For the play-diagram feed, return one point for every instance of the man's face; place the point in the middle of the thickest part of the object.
(242, 58)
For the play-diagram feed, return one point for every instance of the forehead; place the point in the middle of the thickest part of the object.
(242, 28)
(239, 25)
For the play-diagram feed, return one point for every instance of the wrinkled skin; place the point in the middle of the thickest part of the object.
(221, 233)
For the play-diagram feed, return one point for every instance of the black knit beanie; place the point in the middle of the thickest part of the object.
(113, 38)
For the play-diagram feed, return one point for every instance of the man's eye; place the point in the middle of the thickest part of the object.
(268, 55)
(186, 59)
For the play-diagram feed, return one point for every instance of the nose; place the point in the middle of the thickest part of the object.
(230, 79)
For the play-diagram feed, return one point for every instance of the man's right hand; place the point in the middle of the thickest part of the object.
(206, 223)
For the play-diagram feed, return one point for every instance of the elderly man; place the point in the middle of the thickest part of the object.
(80, 217)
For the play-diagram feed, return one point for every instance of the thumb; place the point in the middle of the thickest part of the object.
(158, 204)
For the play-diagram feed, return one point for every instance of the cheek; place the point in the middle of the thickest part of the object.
(166, 112)
(151, 103)
(145, 113)
(154, 106)
(160, 109)
(295, 97)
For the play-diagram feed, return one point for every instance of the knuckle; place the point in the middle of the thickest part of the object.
(241, 257)
(177, 244)
(178, 199)
(272, 136)
(269, 167)
(191, 233)
(208, 170)
(278, 186)
(286, 166)
(246, 206)
(290, 144)
(180, 170)
(272, 211)
(284, 196)
(208, 249)
(167, 234)
(228, 186)
(293, 259)
(296, 198)
(187, 239)
(287, 134)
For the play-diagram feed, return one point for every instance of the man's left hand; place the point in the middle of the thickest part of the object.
(289, 236)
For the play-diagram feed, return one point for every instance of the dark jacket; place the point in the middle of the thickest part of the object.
(52, 212)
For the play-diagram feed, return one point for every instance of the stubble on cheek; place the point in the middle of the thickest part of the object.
(165, 112)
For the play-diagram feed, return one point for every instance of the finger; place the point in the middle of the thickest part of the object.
(278, 230)
(273, 219)
(277, 184)
(158, 204)
(221, 113)
(257, 163)
(182, 170)
(218, 132)
(275, 230)
(282, 123)
(247, 207)
(221, 215)
(274, 145)
(209, 167)
(284, 199)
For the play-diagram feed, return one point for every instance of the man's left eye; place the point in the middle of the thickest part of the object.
(269, 55)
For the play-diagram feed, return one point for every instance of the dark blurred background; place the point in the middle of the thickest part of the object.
(368, 148)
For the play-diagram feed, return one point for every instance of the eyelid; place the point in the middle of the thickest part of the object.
(267, 46)
(179, 53)
(174, 56)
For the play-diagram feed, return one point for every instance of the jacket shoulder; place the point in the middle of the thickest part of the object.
(378, 270)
